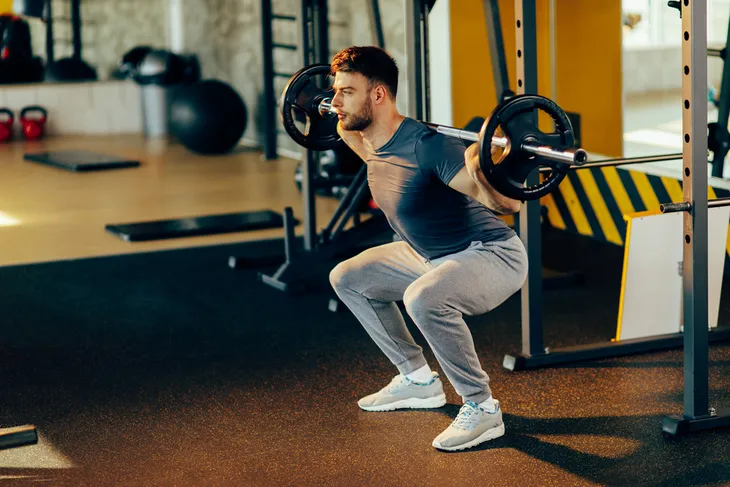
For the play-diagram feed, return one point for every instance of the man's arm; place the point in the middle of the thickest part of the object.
(471, 181)
(354, 141)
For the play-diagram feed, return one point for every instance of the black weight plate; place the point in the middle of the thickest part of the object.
(302, 95)
(517, 117)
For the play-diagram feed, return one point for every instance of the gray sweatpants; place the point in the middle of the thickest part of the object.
(436, 295)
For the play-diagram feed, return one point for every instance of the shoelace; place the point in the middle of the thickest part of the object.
(395, 383)
(467, 416)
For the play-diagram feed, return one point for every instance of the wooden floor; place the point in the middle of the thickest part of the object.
(49, 214)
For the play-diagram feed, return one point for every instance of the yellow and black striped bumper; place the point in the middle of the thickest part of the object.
(595, 202)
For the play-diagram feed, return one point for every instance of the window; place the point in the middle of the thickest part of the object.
(651, 23)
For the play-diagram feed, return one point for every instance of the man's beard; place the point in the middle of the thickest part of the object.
(362, 119)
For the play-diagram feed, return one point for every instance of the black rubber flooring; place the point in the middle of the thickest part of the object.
(170, 369)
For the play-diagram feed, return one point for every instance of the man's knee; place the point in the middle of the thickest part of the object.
(422, 301)
(343, 276)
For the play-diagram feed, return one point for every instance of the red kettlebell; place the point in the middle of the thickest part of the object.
(6, 126)
(34, 126)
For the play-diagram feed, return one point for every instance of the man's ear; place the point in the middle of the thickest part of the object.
(380, 93)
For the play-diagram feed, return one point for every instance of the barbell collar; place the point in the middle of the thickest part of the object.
(325, 107)
(687, 206)
(675, 207)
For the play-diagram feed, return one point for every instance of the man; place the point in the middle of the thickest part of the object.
(455, 256)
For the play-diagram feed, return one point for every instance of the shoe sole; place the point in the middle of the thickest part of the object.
(490, 434)
(411, 403)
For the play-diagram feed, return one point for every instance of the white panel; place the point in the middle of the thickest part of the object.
(652, 303)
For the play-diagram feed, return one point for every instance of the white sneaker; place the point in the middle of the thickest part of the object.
(472, 426)
(403, 393)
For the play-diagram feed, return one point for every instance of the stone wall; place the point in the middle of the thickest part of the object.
(109, 29)
(226, 35)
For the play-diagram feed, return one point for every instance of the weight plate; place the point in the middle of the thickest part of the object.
(302, 96)
(517, 117)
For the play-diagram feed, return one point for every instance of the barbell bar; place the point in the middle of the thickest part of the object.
(576, 157)
(621, 162)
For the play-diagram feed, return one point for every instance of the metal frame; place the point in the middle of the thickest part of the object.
(269, 112)
(528, 223)
(417, 58)
(50, 38)
(268, 45)
(310, 27)
(496, 50)
(697, 413)
(376, 23)
(696, 337)
(76, 28)
(720, 145)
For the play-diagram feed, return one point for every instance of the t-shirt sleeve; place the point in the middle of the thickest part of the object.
(440, 156)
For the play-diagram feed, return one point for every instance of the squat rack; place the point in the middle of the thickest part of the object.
(698, 415)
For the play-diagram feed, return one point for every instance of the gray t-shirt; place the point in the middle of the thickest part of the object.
(409, 179)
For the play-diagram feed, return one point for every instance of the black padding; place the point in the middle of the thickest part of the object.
(196, 226)
(79, 160)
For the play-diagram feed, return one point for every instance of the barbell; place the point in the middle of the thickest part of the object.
(524, 146)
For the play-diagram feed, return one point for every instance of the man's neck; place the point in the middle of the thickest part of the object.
(381, 131)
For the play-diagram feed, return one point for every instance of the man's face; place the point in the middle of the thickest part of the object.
(352, 101)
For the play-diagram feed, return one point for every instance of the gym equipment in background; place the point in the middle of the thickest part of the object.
(208, 117)
(80, 161)
(72, 68)
(196, 226)
(33, 120)
(160, 73)
(31, 8)
(336, 170)
(17, 63)
(128, 65)
(294, 274)
(6, 124)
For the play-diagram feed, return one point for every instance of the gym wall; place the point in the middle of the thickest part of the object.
(109, 28)
(98, 108)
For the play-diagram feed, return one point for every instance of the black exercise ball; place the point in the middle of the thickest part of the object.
(208, 117)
